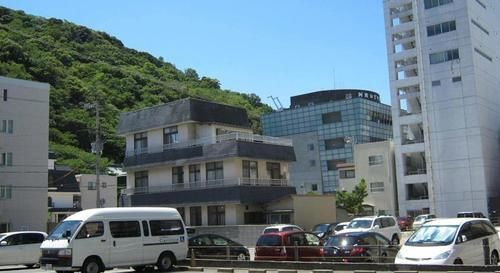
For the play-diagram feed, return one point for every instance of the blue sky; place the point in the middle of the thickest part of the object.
(275, 48)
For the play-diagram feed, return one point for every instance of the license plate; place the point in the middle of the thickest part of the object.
(47, 267)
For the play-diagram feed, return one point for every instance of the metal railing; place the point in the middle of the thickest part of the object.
(236, 136)
(238, 181)
(416, 171)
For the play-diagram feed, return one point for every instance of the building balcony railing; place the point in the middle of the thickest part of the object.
(239, 181)
(416, 171)
(236, 136)
(406, 141)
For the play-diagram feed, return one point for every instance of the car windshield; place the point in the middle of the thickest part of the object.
(360, 224)
(59, 231)
(340, 241)
(320, 228)
(269, 240)
(270, 230)
(433, 235)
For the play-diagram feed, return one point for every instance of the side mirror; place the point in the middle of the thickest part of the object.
(463, 238)
(376, 227)
(3, 243)
(67, 234)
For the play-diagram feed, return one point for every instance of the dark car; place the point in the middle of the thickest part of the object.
(359, 247)
(289, 246)
(324, 230)
(213, 246)
(405, 223)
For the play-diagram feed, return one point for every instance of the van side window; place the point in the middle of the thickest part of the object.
(91, 229)
(489, 228)
(13, 240)
(145, 228)
(478, 230)
(166, 227)
(124, 229)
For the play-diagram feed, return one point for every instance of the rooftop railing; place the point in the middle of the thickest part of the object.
(236, 136)
(238, 181)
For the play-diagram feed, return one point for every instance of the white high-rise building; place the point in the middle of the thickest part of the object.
(444, 70)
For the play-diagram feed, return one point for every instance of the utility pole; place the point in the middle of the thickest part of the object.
(97, 155)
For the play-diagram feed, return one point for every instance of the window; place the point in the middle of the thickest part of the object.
(194, 173)
(90, 230)
(7, 126)
(125, 229)
(331, 165)
(250, 169)
(474, 22)
(331, 117)
(140, 142)
(436, 83)
(166, 227)
(141, 179)
(182, 212)
(347, 173)
(5, 191)
(5, 95)
(77, 201)
(456, 79)
(32, 238)
(441, 28)
(314, 187)
(445, 56)
(216, 215)
(6, 159)
(170, 135)
(375, 160)
(376, 186)
(428, 4)
(310, 147)
(481, 4)
(273, 170)
(486, 56)
(91, 185)
(145, 228)
(334, 143)
(215, 171)
(195, 216)
(177, 175)
(104, 185)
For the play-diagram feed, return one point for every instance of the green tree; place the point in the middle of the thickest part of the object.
(352, 202)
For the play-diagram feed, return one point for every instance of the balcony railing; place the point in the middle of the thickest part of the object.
(236, 136)
(239, 181)
(416, 171)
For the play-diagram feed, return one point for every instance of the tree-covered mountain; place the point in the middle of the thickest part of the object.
(82, 66)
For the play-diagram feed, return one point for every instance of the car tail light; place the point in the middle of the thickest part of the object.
(357, 251)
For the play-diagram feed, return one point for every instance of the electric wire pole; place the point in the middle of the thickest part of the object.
(97, 155)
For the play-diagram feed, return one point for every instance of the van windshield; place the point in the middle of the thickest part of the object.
(59, 231)
(432, 236)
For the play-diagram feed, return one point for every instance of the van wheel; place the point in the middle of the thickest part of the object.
(241, 257)
(494, 258)
(29, 265)
(395, 240)
(458, 261)
(91, 265)
(164, 262)
(139, 268)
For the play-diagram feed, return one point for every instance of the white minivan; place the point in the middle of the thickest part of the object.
(452, 241)
(94, 240)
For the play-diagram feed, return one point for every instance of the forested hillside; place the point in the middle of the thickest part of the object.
(82, 66)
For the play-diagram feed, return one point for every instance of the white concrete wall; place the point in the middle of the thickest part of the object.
(108, 193)
(28, 106)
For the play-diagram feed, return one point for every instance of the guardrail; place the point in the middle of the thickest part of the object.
(238, 181)
(236, 136)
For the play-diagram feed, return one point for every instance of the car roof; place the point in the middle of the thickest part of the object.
(355, 234)
(282, 226)
(23, 232)
(452, 221)
(282, 233)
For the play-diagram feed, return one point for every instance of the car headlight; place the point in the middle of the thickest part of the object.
(64, 252)
(443, 255)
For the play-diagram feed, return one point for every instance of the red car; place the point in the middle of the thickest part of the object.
(405, 223)
(284, 246)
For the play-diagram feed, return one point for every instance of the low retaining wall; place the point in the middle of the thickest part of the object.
(246, 235)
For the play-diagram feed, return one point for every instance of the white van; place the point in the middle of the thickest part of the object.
(94, 240)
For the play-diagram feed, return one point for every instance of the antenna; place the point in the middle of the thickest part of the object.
(334, 80)
(278, 105)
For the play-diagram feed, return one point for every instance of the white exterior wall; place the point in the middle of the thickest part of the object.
(460, 119)
(62, 199)
(28, 106)
(108, 193)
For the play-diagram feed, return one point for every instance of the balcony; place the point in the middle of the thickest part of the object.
(239, 181)
(239, 190)
(415, 163)
(227, 145)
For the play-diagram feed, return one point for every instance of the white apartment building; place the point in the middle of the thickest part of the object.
(24, 141)
(444, 69)
(373, 162)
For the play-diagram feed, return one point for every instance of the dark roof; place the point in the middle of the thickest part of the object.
(63, 180)
(325, 96)
(189, 109)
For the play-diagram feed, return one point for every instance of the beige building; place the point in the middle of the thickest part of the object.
(375, 163)
(24, 141)
(202, 158)
(88, 190)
